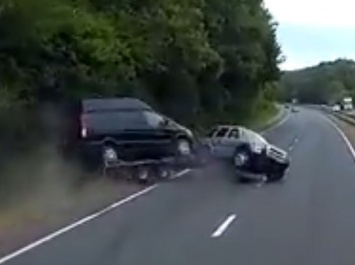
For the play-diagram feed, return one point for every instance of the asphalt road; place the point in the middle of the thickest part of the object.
(205, 218)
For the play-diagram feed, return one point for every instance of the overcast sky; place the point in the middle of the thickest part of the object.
(311, 31)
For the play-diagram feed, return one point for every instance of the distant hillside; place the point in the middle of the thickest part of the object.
(324, 83)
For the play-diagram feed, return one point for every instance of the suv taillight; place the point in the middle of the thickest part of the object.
(83, 126)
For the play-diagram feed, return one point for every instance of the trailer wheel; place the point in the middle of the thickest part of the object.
(144, 175)
(163, 172)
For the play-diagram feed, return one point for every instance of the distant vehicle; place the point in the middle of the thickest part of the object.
(248, 151)
(336, 108)
(294, 109)
(118, 132)
(347, 103)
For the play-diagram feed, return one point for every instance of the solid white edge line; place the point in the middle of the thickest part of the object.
(82, 221)
(342, 134)
(223, 227)
(181, 173)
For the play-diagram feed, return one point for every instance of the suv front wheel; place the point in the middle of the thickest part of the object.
(276, 175)
(241, 157)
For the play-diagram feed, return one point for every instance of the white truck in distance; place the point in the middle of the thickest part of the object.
(347, 103)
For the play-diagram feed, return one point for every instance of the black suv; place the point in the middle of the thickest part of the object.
(124, 131)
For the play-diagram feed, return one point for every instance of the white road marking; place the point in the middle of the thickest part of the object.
(345, 138)
(223, 227)
(292, 146)
(81, 222)
(181, 173)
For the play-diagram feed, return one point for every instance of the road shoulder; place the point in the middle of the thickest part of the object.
(346, 128)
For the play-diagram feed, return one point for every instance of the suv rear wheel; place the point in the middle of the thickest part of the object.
(183, 147)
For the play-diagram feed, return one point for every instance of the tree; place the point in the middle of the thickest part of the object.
(326, 83)
(189, 58)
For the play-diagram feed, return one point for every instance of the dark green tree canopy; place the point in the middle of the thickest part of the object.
(188, 57)
(325, 83)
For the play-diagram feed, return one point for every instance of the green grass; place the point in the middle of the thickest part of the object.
(263, 116)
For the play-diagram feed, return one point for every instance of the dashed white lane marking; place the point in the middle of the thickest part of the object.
(292, 146)
(345, 138)
(82, 221)
(223, 227)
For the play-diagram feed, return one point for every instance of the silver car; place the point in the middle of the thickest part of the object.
(248, 151)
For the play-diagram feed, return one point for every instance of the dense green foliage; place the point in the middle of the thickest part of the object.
(196, 60)
(326, 83)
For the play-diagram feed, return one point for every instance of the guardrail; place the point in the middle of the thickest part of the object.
(346, 117)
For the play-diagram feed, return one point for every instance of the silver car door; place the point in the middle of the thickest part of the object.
(233, 139)
(219, 141)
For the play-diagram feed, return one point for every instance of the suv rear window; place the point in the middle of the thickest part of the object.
(106, 121)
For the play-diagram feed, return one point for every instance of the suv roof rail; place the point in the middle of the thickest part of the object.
(124, 103)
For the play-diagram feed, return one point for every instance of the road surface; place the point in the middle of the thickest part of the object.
(204, 218)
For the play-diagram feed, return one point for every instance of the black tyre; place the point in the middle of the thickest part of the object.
(241, 160)
(276, 175)
(241, 157)
(143, 175)
(183, 147)
(163, 172)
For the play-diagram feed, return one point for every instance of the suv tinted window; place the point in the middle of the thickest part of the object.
(108, 121)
